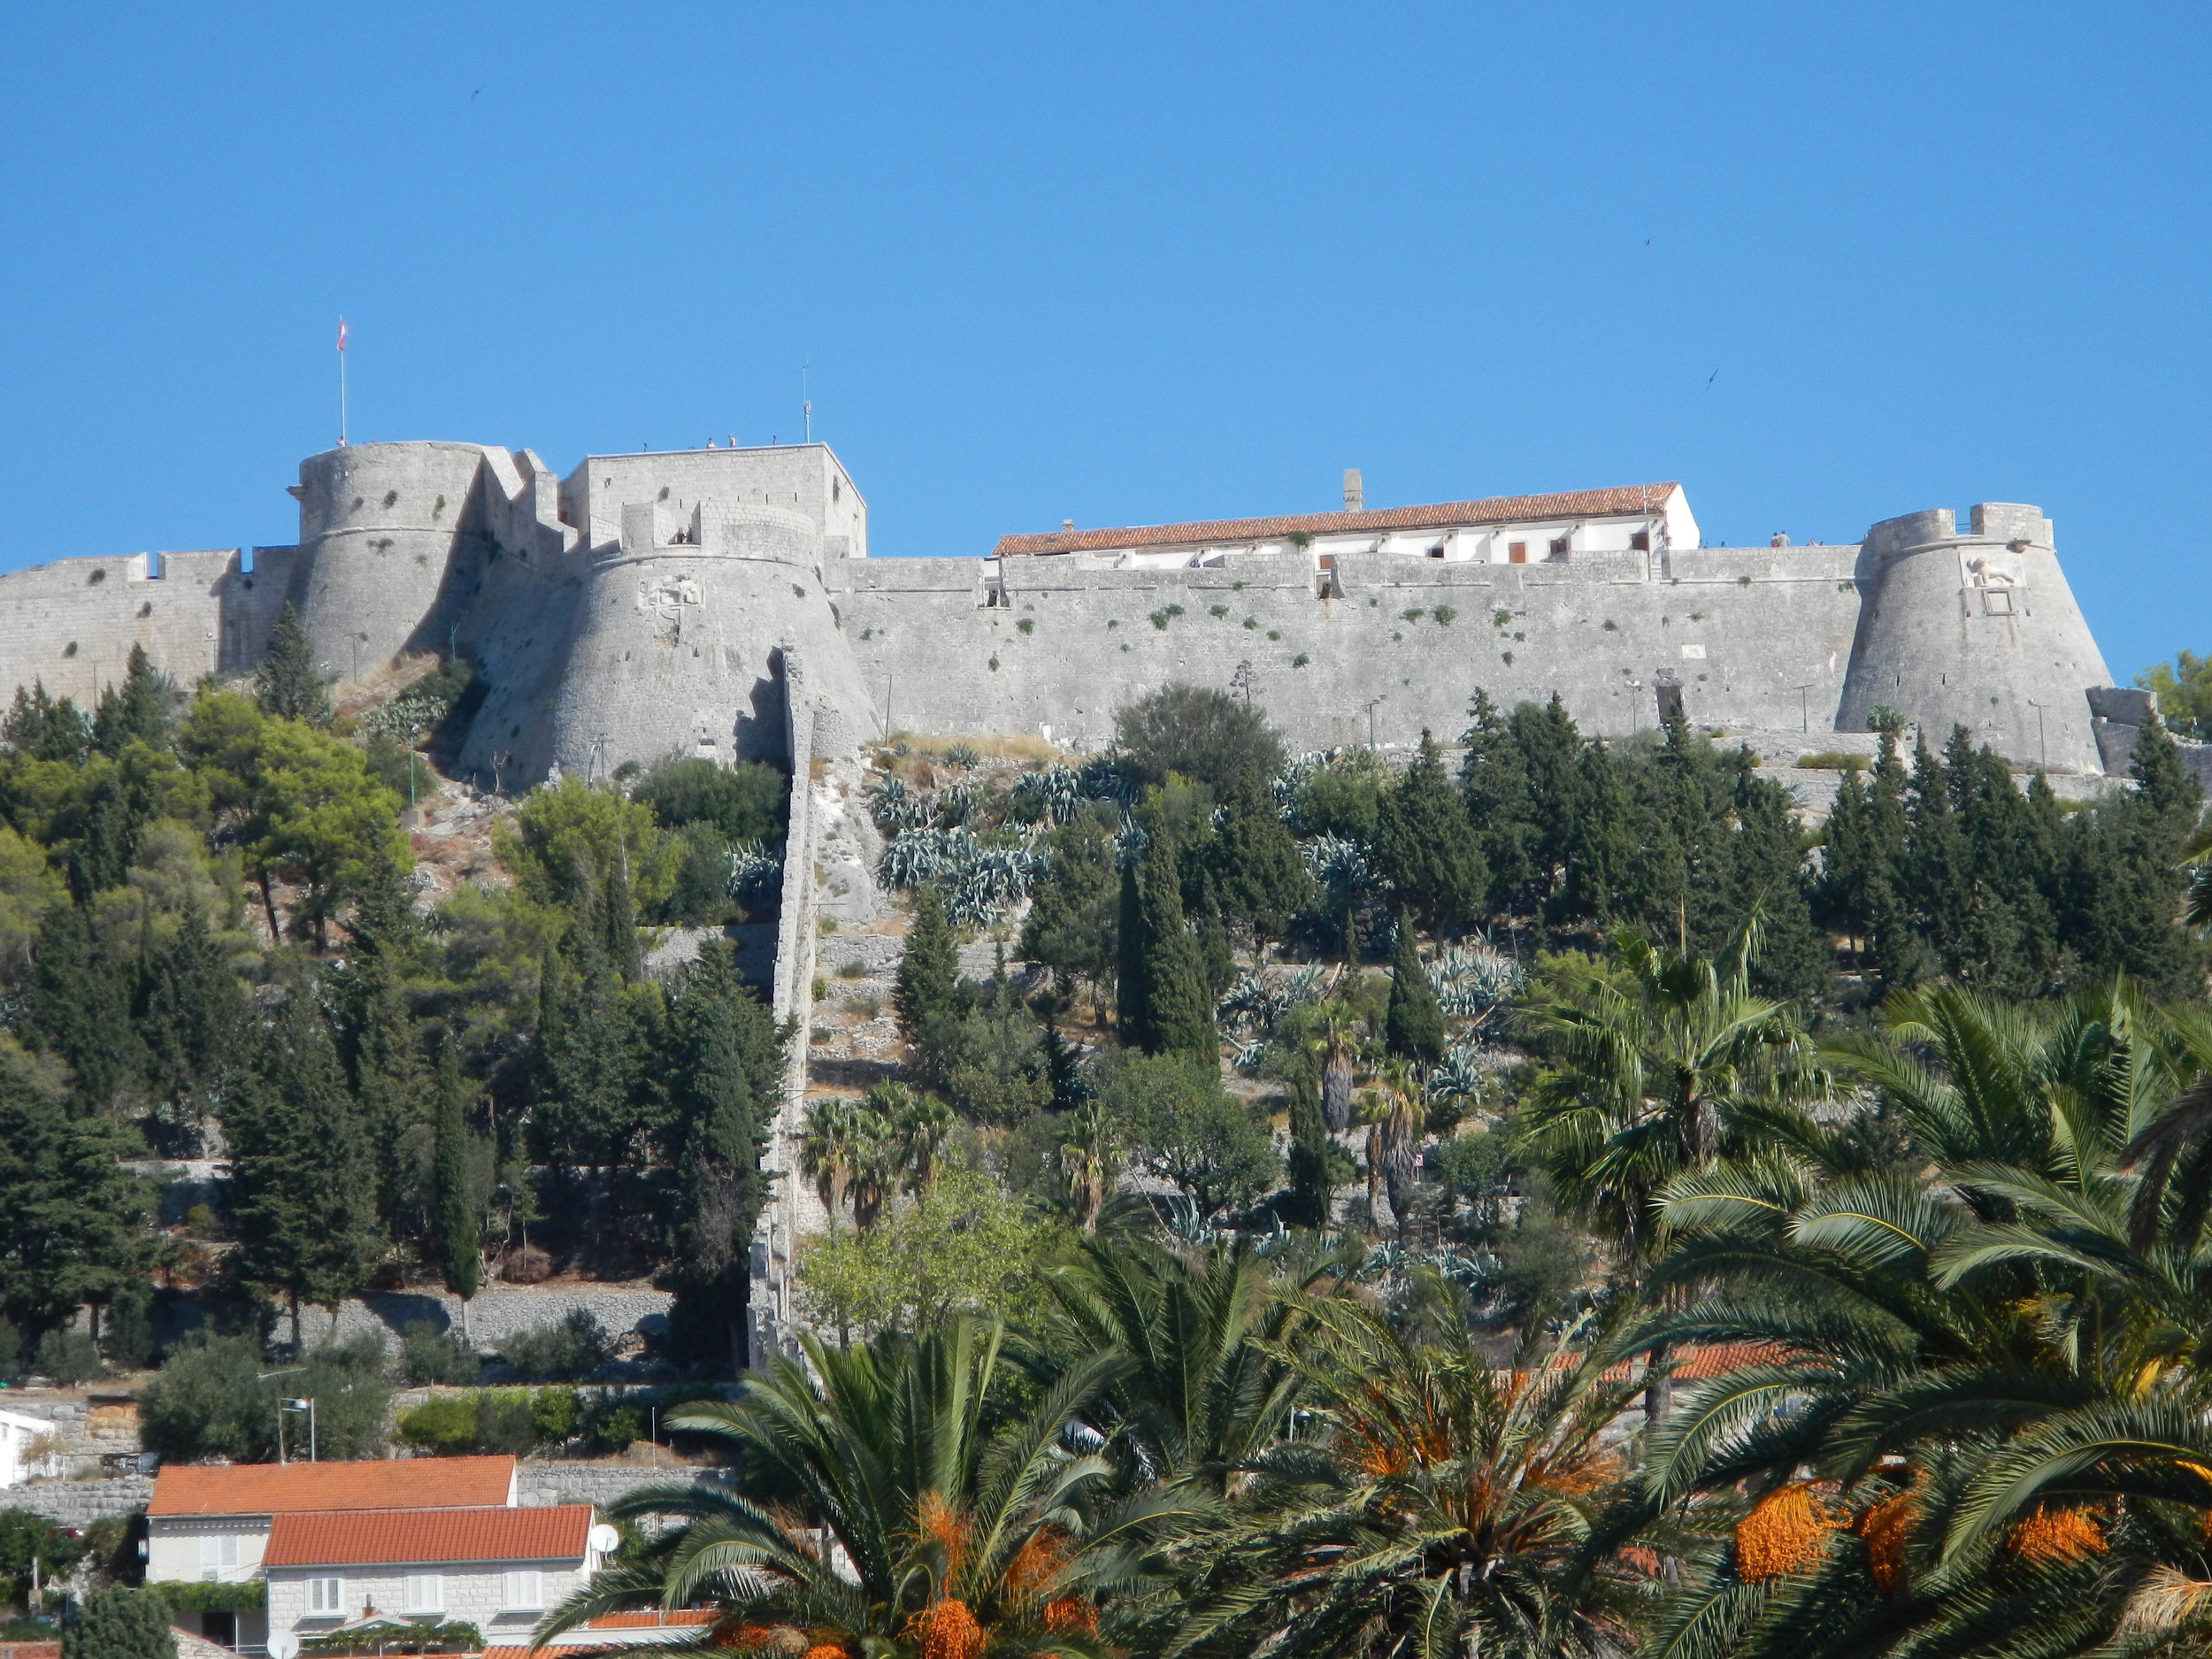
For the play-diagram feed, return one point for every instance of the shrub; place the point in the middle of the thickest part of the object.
(444, 1426)
(505, 1423)
(120, 1624)
(573, 1349)
(428, 1355)
(1444, 615)
(613, 1427)
(1831, 760)
(1206, 735)
(66, 1358)
(554, 1414)
(964, 756)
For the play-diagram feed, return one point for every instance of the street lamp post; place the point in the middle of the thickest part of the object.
(289, 1370)
(1372, 702)
(307, 1406)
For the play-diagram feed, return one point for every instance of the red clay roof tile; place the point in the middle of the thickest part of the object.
(414, 1483)
(1574, 503)
(362, 1538)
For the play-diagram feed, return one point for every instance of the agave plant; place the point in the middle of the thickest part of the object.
(753, 871)
(1476, 982)
(1051, 795)
(898, 807)
(404, 716)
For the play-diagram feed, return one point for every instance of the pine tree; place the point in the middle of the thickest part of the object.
(1766, 869)
(1261, 881)
(121, 1624)
(138, 711)
(195, 1019)
(1179, 1015)
(1555, 759)
(1130, 997)
(928, 983)
(1935, 880)
(288, 684)
(77, 1006)
(454, 1234)
(1073, 913)
(1426, 846)
(1413, 1025)
(1494, 783)
(302, 1194)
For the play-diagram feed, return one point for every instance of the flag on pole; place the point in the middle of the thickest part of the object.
(342, 334)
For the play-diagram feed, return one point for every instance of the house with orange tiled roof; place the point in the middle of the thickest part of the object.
(211, 1524)
(495, 1568)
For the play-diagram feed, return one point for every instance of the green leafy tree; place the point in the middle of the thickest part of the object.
(2184, 690)
(120, 1623)
(1188, 1130)
(1202, 734)
(302, 1188)
(959, 1246)
(1425, 844)
(572, 844)
(741, 802)
(289, 686)
(1413, 1025)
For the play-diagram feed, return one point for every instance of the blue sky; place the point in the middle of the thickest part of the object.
(1130, 263)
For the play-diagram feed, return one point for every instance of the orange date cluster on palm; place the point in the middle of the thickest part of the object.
(2050, 1536)
(1785, 1533)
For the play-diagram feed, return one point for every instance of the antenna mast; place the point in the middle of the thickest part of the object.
(806, 404)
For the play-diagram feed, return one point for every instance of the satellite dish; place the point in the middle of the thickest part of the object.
(604, 1538)
(284, 1645)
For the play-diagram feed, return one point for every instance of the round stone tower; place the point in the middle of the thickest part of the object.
(1978, 630)
(389, 550)
(685, 638)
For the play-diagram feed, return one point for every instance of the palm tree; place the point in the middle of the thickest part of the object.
(825, 1150)
(919, 1125)
(1205, 1385)
(1989, 1365)
(1335, 1042)
(1397, 1139)
(1442, 1507)
(1643, 1083)
(1087, 1160)
(896, 1508)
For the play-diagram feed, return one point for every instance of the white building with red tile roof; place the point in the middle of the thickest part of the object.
(211, 1524)
(496, 1569)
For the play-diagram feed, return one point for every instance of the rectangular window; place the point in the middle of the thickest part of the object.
(325, 1598)
(1561, 545)
(422, 1593)
(1437, 552)
(1516, 553)
(1641, 541)
(522, 1592)
(219, 1553)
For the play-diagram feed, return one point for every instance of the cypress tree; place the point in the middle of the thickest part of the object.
(1179, 1015)
(928, 982)
(121, 1624)
(77, 1005)
(302, 1192)
(1426, 846)
(453, 1239)
(1494, 783)
(1935, 879)
(1413, 1025)
(288, 684)
(39, 728)
(1212, 930)
(1601, 844)
(718, 1033)
(1898, 954)
(1315, 1162)
(397, 1112)
(1260, 879)
(1767, 869)
(1555, 757)
(1129, 986)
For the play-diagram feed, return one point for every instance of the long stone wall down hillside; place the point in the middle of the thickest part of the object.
(1755, 636)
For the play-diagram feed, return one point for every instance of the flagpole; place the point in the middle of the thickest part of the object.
(342, 382)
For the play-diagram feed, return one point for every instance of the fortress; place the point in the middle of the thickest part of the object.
(721, 603)
(668, 601)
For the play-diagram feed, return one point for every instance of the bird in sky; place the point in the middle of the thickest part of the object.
(480, 93)
(1709, 378)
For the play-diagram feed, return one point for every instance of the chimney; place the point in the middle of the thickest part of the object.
(1354, 496)
(1067, 526)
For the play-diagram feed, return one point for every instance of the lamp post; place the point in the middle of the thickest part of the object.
(307, 1406)
(1372, 702)
(289, 1370)
(2042, 742)
(1805, 709)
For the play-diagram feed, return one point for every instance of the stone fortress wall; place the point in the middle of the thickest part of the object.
(643, 605)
